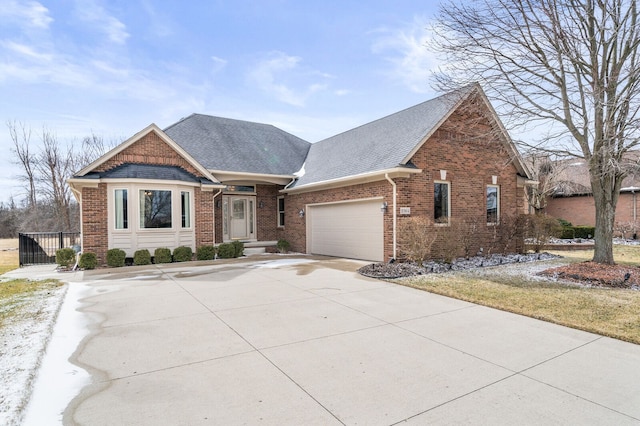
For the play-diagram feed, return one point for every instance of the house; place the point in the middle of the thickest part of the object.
(572, 200)
(206, 180)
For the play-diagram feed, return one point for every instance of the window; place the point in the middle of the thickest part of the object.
(155, 209)
(441, 202)
(493, 204)
(280, 211)
(185, 209)
(122, 216)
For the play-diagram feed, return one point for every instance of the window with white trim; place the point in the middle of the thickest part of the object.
(281, 211)
(493, 204)
(441, 202)
(155, 208)
(185, 208)
(122, 209)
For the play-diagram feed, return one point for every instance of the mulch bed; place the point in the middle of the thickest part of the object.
(409, 269)
(598, 275)
(585, 273)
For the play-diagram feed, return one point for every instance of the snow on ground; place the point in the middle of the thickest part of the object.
(58, 380)
(23, 340)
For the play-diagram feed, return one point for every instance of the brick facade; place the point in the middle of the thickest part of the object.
(467, 147)
(150, 149)
(580, 209)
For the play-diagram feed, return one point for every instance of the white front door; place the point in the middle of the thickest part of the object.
(239, 217)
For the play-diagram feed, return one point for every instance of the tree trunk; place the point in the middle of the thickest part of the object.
(605, 219)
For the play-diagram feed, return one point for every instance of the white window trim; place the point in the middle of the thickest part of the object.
(279, 212)
(112, 211)
(191, 208)
(497, 187)
(448, 222)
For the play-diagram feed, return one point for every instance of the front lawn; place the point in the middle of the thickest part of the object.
(609, 312)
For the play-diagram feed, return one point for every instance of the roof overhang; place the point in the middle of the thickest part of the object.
(378, 175)
(78, 183)
(231, 177)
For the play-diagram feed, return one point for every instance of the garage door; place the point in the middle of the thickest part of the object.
(353, 230)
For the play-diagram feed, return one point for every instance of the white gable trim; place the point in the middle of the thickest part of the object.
(135, 138)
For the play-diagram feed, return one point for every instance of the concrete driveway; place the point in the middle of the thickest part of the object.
(306, 340)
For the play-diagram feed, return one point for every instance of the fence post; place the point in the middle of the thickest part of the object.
(60, 240)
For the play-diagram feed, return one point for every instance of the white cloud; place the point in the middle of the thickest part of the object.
(31, 13)
(405, 49)
(95, 14)
(282, 76)
(218, 64)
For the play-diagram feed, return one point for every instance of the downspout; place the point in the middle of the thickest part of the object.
(395, 214)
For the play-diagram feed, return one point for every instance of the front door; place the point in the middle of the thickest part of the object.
(239, 218)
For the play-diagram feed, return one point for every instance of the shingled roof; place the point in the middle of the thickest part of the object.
(148, 171)
(382, 144)
(239, 146)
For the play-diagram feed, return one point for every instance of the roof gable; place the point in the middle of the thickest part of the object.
(223, 144)
(391, 141)
(152, 128)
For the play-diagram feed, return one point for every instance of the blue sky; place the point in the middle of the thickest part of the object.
(312, 68)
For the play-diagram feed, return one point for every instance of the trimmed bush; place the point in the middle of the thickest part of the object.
(162, 255)
(238, 248)
(182, 254)
(283, 245)
(226, 251)
(88, 261)
(115, 257)
(584, 231)
(205, 253)
(568, 233)
(65, 257)
(142, 257)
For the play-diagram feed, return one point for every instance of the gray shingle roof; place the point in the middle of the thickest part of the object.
(379, 145)
(239, 146)
(148, 171)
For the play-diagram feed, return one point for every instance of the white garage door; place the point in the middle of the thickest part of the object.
(353, 230)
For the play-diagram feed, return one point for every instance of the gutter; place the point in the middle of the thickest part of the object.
(395, 215)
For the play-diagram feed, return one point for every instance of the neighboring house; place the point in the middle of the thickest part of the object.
(207, 180)
(572, 199)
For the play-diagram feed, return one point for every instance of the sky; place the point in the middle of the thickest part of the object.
(112, 67)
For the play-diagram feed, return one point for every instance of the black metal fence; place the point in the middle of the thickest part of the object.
(36, 248)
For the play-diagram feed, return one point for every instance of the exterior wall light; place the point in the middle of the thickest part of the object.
(384, 207)
(261, 204)
(301, 213)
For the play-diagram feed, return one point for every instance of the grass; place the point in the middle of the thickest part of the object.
(15, 294)
(609, 312)
(8, 255)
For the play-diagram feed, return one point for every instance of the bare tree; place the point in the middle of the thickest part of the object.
(21, 137)
(54, 166)
(570, 64)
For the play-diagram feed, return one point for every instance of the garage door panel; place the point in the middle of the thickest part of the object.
(353, 230)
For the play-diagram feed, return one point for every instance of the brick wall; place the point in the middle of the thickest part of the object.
(94, 221)
(150, 149)
(467, 147)
(580, 210)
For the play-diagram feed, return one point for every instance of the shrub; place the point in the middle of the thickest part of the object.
(65, 257)
(115, 257)
(205, 253)
(238, 248)
(226, 251)
(584, 231)
(416, 236)
(142, 257)
(182, 254)
(564, 223)
(567, 233)
(540, 228)
(88, 260)
(162, 255)
(283, 245)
